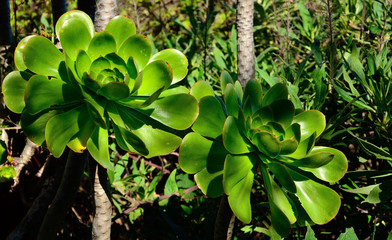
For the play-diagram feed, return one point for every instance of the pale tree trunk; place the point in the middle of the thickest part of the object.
(245, 49)
(104, 12)
(225, 220)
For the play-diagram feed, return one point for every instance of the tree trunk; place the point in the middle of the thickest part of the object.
(104, 12)
(5, 25)
(59, 7)
(76, 163)
(245, 49)
(222, 222)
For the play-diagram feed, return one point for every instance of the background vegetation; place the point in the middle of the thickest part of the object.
(333, 55)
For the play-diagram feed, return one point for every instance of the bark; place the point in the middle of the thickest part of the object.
(53, 172)
(24, 159)
(76, 163)
(5, 25)
(223, 223)
(103, 206)
(59, 7)
(105, 10)
(245, 48)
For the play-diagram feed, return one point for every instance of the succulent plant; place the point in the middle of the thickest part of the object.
(248, 133)
(100, 82)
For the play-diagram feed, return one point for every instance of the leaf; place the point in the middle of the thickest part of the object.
(279, 220)
(83, 63)
(201, 89)
(320, 202)
(177, 111)
(42, 93)
(210, 183)
(7, 173)
(13, 88)
(310, 121)
(235, 169)
(171, 184)
(156, 74)
(266, 143)
(254, 94)
(128, 141)
(232, 139)
(239, 199)
(332, 171)
(34, 125)
(314, 160)
(283, 112)
(211, 118)
(3, 152)
(282, 175)
(177, 61)
(310, 234)
(121, 27)
(74, 35)
(197, 153)
(349, 234)
(18, 56)
(158, 142)
(42, 57)
(138, 47)
(98, 147)
(101, 44)
(78, 142)
(276, 92)
(232, 101)
(225, 79)
(78, 15)
(380, 193)
(114, 91)
(61, 128)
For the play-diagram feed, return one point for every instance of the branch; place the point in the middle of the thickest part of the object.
(24, 159)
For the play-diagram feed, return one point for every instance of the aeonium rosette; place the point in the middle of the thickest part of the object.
(100, 81)
(249, 133)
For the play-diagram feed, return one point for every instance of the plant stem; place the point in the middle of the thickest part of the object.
(223, 220)
(76, 163)
(245, 50)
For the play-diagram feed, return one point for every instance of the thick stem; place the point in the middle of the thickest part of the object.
(223, 219)
(53, 172)
(24, 159)
(104, 12)
(103, 206)
(245, 48)
(76, 163)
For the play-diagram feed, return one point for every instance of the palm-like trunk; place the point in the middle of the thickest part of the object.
(104, 12)
(245, 49)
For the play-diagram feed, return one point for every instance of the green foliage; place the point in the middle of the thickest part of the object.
(7, 173)
(100, 81)
(262, 133)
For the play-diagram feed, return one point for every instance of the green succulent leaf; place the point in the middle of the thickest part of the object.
(78, 142)
(3, 152)
(201, 89)
(129, 141)
(314, 160)
(138, 47)
(101, 44)
(283, 112)
(177, 61)
(74, 35)
(34, 125)
(275, 93)
(83, 63)
(42, 57)
(158, 142)
(225, 79)
(232, 101)
(254, 95)
(333, 170)
(156, 74)
(235, 169)
(98, 147)
(279, 220)
(177, 111)
(211, 118)
(122, 28)
(210, 183)
(288, 146)
(233, 141)
(96, 108)
(266, 143)
(282, 175)
(310, 121)
(114, 91)
(13, 88)
(18, 56)
(42, 93)
(321, 209)
(77, 15)
(99, 65)
(239, 199)
(61, 128)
